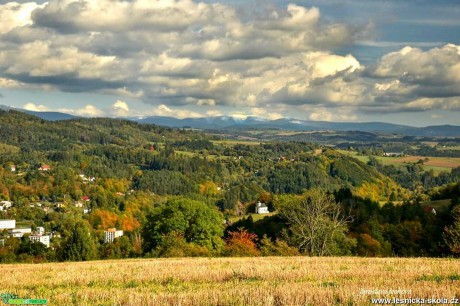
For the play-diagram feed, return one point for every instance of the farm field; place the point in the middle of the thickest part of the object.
(437, 164)
(234, 281)
(236, 142)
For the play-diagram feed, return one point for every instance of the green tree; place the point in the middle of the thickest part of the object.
(174, 245)
(452, 233)
(315, 221)
(32, 248)
(121, 247)
(79, 245)
(277, 248)
(194, 220)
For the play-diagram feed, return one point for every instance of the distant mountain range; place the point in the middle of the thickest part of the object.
(227, 122)
(234, 123)
(50, 116)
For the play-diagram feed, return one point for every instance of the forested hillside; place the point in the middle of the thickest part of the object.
(176, 192)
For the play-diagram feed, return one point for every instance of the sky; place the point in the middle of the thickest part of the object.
(329, 60)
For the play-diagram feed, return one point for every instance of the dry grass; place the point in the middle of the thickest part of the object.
(231, 281)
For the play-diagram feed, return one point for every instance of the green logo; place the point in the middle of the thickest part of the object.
(13, 299)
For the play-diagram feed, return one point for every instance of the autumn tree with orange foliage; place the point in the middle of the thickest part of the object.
(208, 189)
(103, 219)
(241, 243)
(129, 223)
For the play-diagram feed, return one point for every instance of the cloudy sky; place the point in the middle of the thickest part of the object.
(334, 60)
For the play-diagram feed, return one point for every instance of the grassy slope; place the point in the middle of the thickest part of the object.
(255, 217)
(438, 205)
(232, 281)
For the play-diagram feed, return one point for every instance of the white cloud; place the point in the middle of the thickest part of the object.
(415, 80)
(213, 113)
(340, 114)
(119, 109)
(321, 115)
(121, 105)
(8, 83)
(123, 92)
(87, 111)
(35, 108)
(415, 65)
(164, 110)
(177, 51)
(184, 54)
(422, 104)
(265, 113)
(39, 59)
(13, 15)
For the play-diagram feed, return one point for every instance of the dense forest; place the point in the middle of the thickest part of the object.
(177, 192)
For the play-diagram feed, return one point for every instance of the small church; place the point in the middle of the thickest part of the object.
(261, 208)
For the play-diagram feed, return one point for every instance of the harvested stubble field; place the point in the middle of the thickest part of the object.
(233, 281)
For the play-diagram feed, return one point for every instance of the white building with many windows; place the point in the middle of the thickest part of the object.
(111, 234)
(45, 239)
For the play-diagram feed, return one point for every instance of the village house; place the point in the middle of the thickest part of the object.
(40, 230)
(429, 209)
(5, 205)
(111, 234)
(44, 167)
(54, 234)
(19, 232)
(59, 205)
(87, 179)
(393, 154)
(261, 208)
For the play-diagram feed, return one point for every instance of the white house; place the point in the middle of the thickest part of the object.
(261, 208)
(40, 230)
(87, 179)
(111, 234)
(45, 239)
(4, 205)
(393, 154)
(7, 224)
